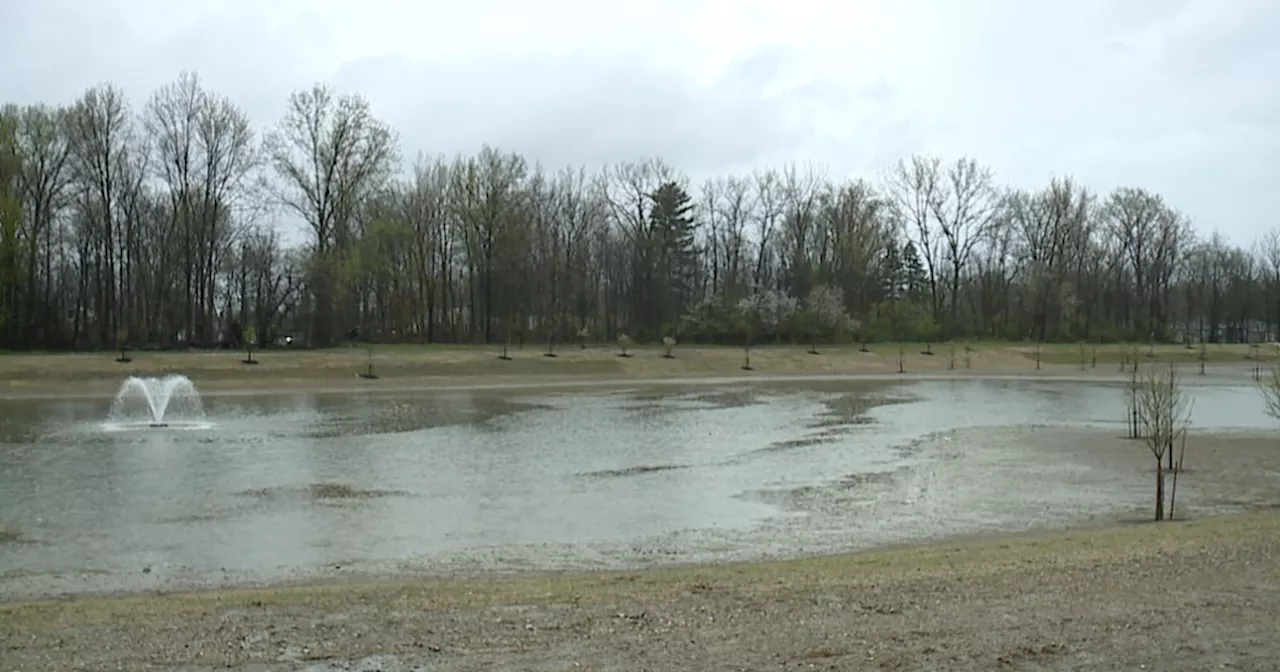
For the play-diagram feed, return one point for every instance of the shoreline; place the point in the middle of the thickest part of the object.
(1069, 599)
(959, 549)
(76, 376)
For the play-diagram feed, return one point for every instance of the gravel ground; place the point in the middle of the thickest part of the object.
(1174, 596)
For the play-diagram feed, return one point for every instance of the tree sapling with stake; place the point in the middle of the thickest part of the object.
(1269, 388)
(1164, 413)
(250, 338)
(122, 345)
(368, 373)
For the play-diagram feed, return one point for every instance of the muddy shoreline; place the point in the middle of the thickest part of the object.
(233, 387)
(1063, 600)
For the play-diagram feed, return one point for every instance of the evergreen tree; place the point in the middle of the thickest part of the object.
(891, 274)
(914, 280)
(672, 226)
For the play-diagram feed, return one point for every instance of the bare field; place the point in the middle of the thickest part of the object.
(1174, 596)
(99, 373)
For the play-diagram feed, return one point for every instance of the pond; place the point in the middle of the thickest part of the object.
(280, 486)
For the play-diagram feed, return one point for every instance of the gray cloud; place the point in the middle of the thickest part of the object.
(1172, 95)
(592, 109)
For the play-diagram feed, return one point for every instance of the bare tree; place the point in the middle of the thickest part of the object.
(1051, 226)
(1269, 257)
(330, 153)
(488, 194)
(802, 194)
(474, 244)
(204, 151)
(10, 220)
(42, 142)
(628, 192)
(100, 132)
(912, 188)
(1149, 237)
(964, 209)
(726, 209)
(769, 205)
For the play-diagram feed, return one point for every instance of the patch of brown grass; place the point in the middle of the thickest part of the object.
(427, 365)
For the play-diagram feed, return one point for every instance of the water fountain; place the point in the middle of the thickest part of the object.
(170, 401)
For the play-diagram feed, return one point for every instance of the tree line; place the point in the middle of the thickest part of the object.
(158, 225)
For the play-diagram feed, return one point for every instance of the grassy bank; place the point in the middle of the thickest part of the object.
(1170, 596)
(426, 364)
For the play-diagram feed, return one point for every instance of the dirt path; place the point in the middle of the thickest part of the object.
(1176, 596)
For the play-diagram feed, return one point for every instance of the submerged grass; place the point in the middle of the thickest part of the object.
(319, 492)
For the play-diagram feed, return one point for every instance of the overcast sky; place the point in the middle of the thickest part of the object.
(1178, 96)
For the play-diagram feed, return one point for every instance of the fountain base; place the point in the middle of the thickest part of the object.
(157, 425)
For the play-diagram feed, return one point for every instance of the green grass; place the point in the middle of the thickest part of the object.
(1113, 354)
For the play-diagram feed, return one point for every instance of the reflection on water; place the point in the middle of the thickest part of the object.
(317, 480)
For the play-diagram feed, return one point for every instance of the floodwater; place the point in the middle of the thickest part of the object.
(303, 485)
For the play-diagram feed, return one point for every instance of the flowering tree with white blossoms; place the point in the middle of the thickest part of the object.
(763, 313)
(824, 314)
(769, 310)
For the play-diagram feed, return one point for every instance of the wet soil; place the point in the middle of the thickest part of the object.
(1172, 597)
